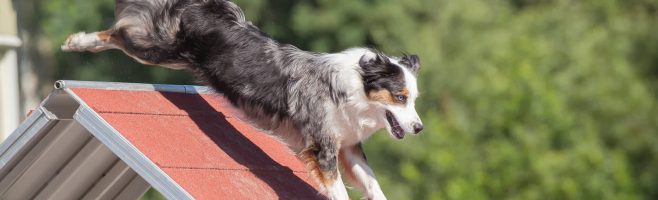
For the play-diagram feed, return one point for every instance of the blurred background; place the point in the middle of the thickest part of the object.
(522, 99)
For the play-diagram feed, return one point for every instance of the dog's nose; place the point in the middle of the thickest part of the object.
(418, 127)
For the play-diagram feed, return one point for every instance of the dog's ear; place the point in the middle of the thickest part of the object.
(412, 62)
(370, 59)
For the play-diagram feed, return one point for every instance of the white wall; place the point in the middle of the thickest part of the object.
(9, 105)
(9, 94)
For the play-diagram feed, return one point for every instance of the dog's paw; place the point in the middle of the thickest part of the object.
(80, 42)
(71, 43)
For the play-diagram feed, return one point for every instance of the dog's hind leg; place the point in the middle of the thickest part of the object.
(359, 173)
(93, 42)
(320, 156)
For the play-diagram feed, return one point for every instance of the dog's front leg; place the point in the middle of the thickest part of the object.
(358, 172)
(320, 156)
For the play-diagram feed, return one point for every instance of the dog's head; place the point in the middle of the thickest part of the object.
(390, 85)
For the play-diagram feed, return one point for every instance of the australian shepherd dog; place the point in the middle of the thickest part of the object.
(322, 105)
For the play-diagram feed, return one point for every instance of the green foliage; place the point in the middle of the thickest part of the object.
(522, 99)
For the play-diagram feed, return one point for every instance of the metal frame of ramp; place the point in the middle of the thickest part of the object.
(101, 140)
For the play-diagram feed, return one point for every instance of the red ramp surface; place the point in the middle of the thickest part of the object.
(195, 140)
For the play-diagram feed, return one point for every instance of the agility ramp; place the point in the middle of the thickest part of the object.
(102, 140)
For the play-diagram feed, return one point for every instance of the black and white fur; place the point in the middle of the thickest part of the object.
(322, 105)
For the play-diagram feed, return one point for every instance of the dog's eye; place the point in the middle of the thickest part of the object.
(400, 98)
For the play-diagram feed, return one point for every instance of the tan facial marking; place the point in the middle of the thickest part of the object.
(385, 96)
(404, 92)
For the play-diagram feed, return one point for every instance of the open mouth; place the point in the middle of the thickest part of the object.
(395, 125)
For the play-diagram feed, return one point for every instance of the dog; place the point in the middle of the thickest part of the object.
(322, 105)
